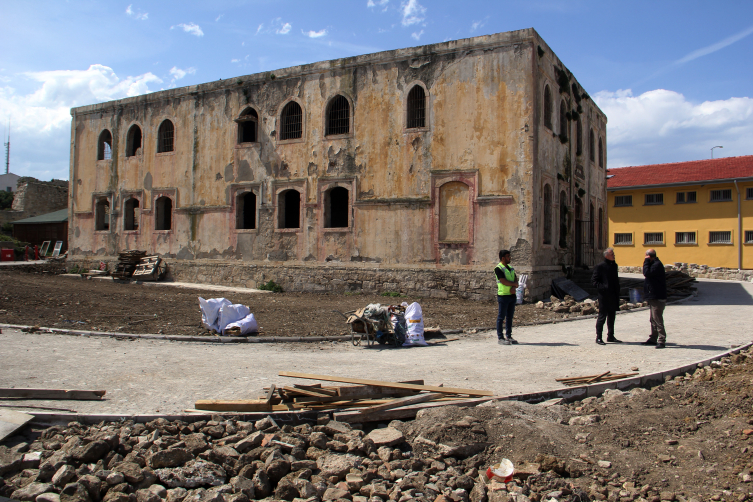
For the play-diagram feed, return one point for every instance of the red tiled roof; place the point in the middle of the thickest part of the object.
(681, 172)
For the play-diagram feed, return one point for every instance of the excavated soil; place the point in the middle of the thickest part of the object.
(51, 301)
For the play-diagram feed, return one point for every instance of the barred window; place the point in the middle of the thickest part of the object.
(721, 195)
(291, 121)
(104, 149)
(749, 193)
(654, 199)
(749, 237)
(416, 107)
(623, 239)
(623, 200)
(653, 238)
(720, 237)
(684, 237)
(686, 197)
(166, 134)
(338, 116)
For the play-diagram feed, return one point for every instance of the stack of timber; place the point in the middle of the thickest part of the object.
(150, 268)
(679, 284)
(365, 401)
(589, 379)
(127, 262)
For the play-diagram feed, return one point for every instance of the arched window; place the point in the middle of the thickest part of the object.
(245, 211)
(166, 136)
(338, 116)
(102, 215)
(547, 214)
(601, 154)
(291, 121)
(547, 107)
(579, 138)
(131, 214)
(416, 107)
(133, 141)
(601, 228)
(591, 144)
(563, 219)
(336, 208)
(289, 209)
(563, 120)
(104, 146)
(453, 212)
(164, 214)
(247, 126)
(591, 226)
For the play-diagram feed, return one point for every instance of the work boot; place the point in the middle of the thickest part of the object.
(659, 346)
(512, 340)
(599, 341)
(612, 339)
(503, 341)
(651, 341)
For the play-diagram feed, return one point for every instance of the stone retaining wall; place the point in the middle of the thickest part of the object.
(703, 271)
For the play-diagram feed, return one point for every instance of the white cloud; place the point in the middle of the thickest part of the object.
(141, 16)
(235, 60)
(715, 47)
(284, 30)
(417, 36)
(378, 3)
(218, 18)
(314, 34)
(479, 24)
(663, 126)
(261, 27)
(413, 12)
(191, 28)
(178, 74)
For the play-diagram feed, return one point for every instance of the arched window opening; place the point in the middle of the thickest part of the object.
(247, 126)
(591, 226)
(338, 116)
(591, 145)
(336, 208)
(164, 214)
(563, 121)
(131, 214)
(104, 146)
(579, 139)
(601, 228)
(601, 154)
(547, 107)
(563, 220)
(133, 141)
(102, 215)
(166, 137)
(291, 121)
(547, 214)
(416, 107)
(289, 209)
(246, 211)
(454, 209)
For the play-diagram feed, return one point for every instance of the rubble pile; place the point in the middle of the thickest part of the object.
(572, 308)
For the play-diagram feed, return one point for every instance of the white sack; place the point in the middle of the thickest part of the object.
(414, 318)
(521, 289)
(210, 311)
(247, 325)
(232, 313)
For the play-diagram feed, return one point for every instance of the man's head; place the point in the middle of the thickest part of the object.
(504, 257)
(609, 254)
(651, 254)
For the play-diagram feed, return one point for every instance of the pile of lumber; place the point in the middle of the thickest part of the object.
(127, 262)
(150, 268)
(679, 284)
(589, 379)
(365, 401)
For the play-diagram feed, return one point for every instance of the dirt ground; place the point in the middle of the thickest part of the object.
(101, 305)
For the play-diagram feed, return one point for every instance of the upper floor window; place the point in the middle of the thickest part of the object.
(547, 107)
(749, 237)
(563, 121)
(720, 237)
(247, 126)
(416, 107)
(133, 141)
(601, 154)
(623, 200)
(654, 199)
(166, 136)
(338, 116)
(291, 121)
(579, 138)
(721, 195)
(749, 193)
(591, 146)
(104, 146)
(686, 197)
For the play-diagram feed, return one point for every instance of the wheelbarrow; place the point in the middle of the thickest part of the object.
(368, 330)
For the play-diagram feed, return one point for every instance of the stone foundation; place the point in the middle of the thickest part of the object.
(703, 271)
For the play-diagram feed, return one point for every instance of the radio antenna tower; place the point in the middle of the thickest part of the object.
(7, 151)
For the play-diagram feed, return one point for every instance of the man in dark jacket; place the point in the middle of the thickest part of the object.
(607, 282)
(655, 293)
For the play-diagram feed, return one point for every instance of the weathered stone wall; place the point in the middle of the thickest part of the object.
(34, 197)
(702, 271)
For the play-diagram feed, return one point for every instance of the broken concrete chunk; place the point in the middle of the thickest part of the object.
(174, 457)
(386, 437)
(584, 420)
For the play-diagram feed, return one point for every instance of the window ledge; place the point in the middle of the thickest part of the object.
(288, 230)
(130, 232)
(290, 141)
(720, 244)
(724, 200)
(655, 244)
(624, 244)
(682, 203)
(245, 230)
(163, 231)
(654, 204)
(165, 154)
(416, 130)
(106, 231)
(337, 229)
(248, 145)
(338, 136)
(623, 205)
(104, 161)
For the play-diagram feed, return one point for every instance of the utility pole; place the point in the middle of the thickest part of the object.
(7, 151)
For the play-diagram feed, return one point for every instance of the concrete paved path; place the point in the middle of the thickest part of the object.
(152, 376)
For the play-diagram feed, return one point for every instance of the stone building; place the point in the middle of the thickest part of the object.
(33, 198)
(405, 170)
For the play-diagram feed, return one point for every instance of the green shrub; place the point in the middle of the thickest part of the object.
(271, 286)
(393, 294)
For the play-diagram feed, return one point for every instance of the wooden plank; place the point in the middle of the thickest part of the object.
(356, 390)
(597, 377)
(304, 392)
(54, 394)
(239, 405)
(403, 401)
(393, 385)
(270, 393)
(401, 413)
(317, 388)
(11, 421)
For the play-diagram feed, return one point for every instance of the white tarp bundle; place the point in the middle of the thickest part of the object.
(247, 325)
(414, 318)
(210, 311)
(218, 314)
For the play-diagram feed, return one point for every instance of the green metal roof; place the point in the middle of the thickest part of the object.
(54, 217)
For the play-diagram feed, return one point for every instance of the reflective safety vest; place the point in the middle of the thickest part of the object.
(509, 273)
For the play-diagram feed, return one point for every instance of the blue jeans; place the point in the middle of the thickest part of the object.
(506, 312)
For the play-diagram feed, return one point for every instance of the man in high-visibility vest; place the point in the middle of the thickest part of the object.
(507, 282)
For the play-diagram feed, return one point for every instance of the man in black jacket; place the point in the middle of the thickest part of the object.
(655, 293)
(607, 282)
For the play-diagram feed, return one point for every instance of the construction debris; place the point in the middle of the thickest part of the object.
(679, 285)
(53, 394)
(127, 263)
(150, 268)
(586, 380)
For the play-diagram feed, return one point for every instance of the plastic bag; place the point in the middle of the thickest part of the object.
(210, 311)
(232, 313)
(414, 319)
(247, 325)
(399, 326)
(521, 289)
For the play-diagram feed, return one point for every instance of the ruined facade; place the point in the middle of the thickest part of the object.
(34, 198)
(420, 162)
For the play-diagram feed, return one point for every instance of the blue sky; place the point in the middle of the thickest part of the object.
(674, 77)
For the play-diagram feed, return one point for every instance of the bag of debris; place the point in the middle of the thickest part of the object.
(242, 327)
(414, 319)
(210, 311)
(233, 312)
(399, 326)
(521, 289)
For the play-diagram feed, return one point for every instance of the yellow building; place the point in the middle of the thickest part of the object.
(691, 212)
